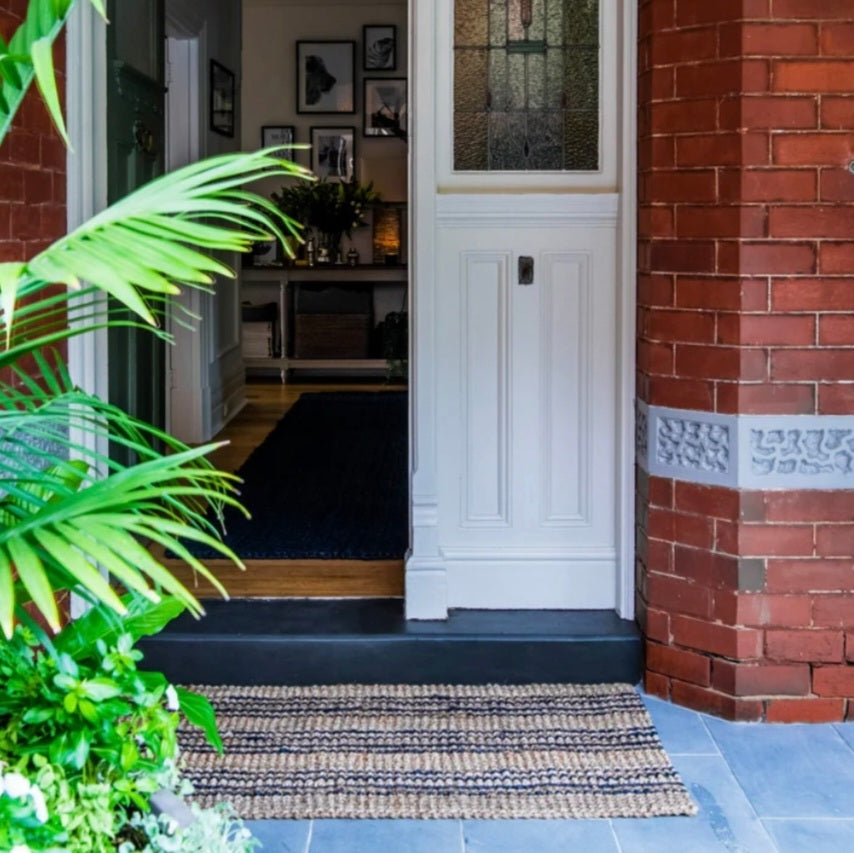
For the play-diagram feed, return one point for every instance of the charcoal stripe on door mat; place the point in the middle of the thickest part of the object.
(403, 751)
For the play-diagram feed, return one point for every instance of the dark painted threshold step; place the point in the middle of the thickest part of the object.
(284, 641)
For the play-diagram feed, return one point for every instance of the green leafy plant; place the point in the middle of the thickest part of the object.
(331, 207)
(96, 716)
(88, 731)
(214, 830)
(85, 735)
(67, 511)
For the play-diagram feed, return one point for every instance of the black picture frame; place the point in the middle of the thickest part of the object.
(284, 135)
(222, 99)
(326, 76)
(333, 152)
(385, 109)
(379, 47)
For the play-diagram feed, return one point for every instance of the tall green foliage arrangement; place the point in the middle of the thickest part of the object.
(85, 735)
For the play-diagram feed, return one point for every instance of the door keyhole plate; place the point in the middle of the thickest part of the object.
(526, 269)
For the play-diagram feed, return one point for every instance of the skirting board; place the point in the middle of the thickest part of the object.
(526, 584)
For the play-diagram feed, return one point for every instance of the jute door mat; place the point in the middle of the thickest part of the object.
(401, 751)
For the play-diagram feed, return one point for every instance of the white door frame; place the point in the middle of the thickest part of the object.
(426, 578)
(187, 415)
(86, 106)
(86, 98)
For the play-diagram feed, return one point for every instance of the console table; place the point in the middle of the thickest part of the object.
(272, 284)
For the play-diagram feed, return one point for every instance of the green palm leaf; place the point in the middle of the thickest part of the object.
(28, 56)
(67, 511)
(139, 248)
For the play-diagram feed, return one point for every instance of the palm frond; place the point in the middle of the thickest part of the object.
(142, 248)
(61, 536)
(28, 56)
(59, 524)
(158, 234)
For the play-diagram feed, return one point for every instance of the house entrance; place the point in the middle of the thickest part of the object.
(520, 285)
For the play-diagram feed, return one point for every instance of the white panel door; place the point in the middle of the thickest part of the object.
(521, 393)
(526, 417)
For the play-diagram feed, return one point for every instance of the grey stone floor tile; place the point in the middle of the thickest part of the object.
(386, 836)
(542, 836)
(812, 836)
(793, 771)
(280, 836)
(726, 823)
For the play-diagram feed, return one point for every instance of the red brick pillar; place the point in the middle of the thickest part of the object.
(32, 175)
(746, 355)
(32, 165)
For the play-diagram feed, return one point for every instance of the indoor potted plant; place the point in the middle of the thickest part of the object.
(333, 209)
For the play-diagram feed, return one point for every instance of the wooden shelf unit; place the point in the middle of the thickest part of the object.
(257, 280)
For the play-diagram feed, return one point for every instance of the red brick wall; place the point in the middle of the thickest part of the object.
(746, 305)
(32, 167)
(32, 171)
(746, 217)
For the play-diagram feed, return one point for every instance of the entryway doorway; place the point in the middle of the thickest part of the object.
(462, 427)
(291, 327)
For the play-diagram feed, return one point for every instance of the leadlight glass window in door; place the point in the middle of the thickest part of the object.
(526, 85)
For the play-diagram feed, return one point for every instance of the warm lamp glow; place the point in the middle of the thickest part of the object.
(386, 234)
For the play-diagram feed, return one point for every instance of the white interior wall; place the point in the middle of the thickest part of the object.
(271, 29)
(208, 372)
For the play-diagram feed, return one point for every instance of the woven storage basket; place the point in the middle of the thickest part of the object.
(331, 335)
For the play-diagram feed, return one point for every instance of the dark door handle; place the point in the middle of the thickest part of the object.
(526, 269)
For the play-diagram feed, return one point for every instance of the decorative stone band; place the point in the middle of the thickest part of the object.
(747, 451)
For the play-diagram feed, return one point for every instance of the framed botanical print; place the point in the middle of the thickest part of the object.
(326, 74)
(333, 152)
(283, 135)
(385, 112)
(221, 99)
(379, 46)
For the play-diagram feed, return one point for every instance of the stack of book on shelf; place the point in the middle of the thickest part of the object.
(260, 330)
(259, 340)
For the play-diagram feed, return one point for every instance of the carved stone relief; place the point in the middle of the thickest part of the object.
(693, 444)
(802, 451)
(642, 433)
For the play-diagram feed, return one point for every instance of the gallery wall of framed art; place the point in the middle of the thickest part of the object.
(333, 81)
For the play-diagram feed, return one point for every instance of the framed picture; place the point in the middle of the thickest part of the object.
(326, 74)
(379, 42)
(283, 135)
(333, 152)
(222, 99)
(265, 253)
(385, 107)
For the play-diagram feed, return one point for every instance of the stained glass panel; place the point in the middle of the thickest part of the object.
(473, 127)
(526, 92)
(470, 83)
(471, 23)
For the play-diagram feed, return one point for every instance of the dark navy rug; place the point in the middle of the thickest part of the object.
(329, 482)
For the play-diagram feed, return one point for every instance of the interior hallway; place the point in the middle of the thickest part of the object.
(267, 402)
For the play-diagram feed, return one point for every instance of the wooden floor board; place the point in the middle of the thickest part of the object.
(266, 403)
(297, 578)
